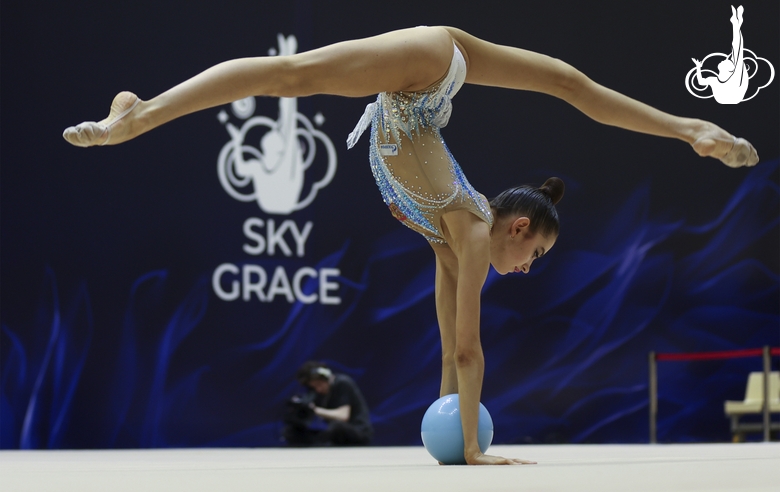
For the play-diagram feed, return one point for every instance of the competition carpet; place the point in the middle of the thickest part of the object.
(602, 468)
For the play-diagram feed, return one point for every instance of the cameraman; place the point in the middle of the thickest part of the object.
(336, 399)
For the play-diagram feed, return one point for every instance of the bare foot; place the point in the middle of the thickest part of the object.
(114, 129)
(713, 141)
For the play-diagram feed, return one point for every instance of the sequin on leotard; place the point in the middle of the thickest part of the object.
(416, 173)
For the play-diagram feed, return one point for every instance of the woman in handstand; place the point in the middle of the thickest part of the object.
(416, 72)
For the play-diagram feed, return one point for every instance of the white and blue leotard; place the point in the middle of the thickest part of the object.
(417, 175)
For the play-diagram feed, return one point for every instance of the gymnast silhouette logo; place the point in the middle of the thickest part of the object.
(287, 149)
(730, 84)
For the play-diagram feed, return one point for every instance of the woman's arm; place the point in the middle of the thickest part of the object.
(446, 290)
(469, 238)
(470, 241)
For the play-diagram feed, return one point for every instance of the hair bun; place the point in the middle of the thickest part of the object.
(553, 188)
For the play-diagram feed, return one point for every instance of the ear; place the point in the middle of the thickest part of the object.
(519, 225)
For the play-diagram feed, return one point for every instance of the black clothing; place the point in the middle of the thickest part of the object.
(344, 391)
(356, 431)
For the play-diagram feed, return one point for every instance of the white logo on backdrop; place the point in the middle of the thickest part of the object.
(275, 170)
(730, 84)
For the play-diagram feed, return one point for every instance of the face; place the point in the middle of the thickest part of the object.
(320, 386)
(513, 247)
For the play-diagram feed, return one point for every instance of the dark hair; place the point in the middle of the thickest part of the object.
(538, 204)
(312, 370)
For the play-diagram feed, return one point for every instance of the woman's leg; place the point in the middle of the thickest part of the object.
(409, 59)
(514, 68)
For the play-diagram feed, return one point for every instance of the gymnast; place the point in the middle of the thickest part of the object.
(415, 73)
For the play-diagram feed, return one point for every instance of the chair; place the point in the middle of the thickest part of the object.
(753, 405)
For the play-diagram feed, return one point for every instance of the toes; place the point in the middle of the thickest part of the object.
(742, 154)
(753, 159)
(85, 134)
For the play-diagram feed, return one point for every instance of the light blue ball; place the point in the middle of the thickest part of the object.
(442, 433)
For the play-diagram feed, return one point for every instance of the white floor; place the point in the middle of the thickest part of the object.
(603, 468)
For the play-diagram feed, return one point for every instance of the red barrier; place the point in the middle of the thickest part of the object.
(728, 354)
(767, 353)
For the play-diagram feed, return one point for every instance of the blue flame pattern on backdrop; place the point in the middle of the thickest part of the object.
(566, 358)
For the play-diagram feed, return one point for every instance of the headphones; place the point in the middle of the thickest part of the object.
(321, 372)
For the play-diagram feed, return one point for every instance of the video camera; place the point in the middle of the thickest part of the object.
(300, 410)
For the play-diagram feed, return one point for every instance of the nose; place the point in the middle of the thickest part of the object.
(525, 268)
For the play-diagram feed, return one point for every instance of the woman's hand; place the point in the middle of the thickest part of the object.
(485, 459)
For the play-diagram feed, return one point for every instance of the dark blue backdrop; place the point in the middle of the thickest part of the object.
(113, 334)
